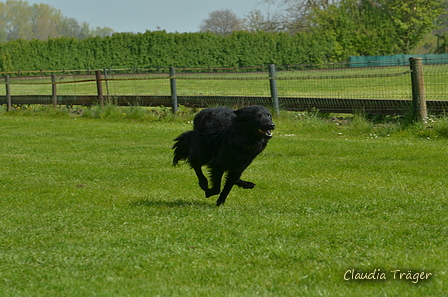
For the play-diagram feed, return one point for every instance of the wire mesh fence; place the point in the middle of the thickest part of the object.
(330, 88)
(370, 83)
(436, 81)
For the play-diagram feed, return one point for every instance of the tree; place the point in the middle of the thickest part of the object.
(291, 15)
(45, 21)
(222, 22)
(102, 31)
(269, 22)
(17, 16)
(19, 20)
(70, 27)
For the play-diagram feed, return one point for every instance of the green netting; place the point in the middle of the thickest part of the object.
(396, 60)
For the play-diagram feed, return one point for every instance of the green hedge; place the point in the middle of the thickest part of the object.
(161, 49)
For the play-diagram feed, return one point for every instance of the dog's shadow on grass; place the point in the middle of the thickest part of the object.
(179, 203)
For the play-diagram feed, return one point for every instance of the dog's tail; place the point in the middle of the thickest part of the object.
(182, 147)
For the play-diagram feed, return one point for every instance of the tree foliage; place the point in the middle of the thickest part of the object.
(19, 20)
(411, 19)
(359, 26)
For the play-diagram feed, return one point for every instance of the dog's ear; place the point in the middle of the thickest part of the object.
(240, 115)
(243, 111)
(237, 112)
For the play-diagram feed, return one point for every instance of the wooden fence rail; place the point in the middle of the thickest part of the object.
(325, 105)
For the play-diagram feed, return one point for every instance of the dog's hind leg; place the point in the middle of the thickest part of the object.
(216, 177)
(203, 182)
(245, 184)
(232, 178)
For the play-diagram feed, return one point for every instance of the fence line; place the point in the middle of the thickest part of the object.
(285, 90)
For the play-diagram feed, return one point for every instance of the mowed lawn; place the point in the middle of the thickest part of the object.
(95, 208)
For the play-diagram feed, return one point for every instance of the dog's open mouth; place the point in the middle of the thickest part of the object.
(265, 133)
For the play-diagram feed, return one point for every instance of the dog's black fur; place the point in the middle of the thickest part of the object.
(226, 141)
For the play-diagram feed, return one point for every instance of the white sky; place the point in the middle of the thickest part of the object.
(141, 15)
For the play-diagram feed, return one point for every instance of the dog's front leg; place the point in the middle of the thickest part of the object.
(232, 178)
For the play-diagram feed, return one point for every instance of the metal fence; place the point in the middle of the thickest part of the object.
(336, 88)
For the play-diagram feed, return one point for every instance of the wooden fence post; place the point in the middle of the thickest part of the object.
(107, 84)
(274, 90)
(8, 94)
(173, 89)
(418, 90)
(99, 87)
(54, 90)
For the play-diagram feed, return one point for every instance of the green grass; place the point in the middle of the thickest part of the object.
(355, 83)
(92, 206)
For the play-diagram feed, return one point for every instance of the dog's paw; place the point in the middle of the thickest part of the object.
(245, 184)
(210, 193)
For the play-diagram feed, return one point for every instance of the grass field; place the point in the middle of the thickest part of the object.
(355, 83)
(93, 207)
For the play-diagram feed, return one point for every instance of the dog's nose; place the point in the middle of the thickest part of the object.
(272, 126)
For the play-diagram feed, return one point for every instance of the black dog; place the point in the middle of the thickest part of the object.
(225, 141)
